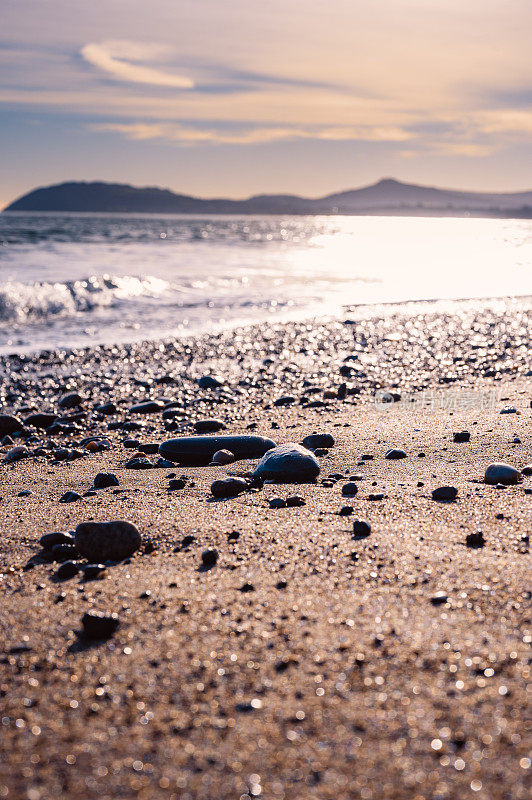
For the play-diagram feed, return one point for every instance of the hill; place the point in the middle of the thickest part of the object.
(388, 196)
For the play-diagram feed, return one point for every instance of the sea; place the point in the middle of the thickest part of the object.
(77, 280)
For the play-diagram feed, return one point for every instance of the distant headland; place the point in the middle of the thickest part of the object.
(387, 196)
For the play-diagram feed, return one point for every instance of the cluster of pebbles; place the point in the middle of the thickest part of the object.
(227, 406)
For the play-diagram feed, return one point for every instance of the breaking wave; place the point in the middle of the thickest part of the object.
(37, 302)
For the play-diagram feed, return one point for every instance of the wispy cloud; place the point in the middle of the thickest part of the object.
(116, 58)
(194, 135)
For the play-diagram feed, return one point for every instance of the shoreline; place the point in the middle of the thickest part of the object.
(307, 662)
(355, 312)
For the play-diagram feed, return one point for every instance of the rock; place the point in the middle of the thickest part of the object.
(445, 493)
(475, 539)
(199, 450)
(150, 448)
(287, 463)
(107, 409)
(97, 625)
(509, 410)
(247, 587)
(349, 489)
(175, 484)
(69, 497)
(64, 551)
(376, 496)
(228, 487)
(148, 407)
(209, 558)
(67, 570)
(318, 441)
(223, 457)
(277, 502)
(72, 400)
(395, 454)
(9, 424)
(502, 473)
(210, 382)
(24, 493)
(40, 420)
(138, 463)
(49, 540)
(527, 470)
(361, 529)
(285, 400)
(208, 425)
(438, 599)
(295, 501)
(461, 436)
(107, 541)
(104, 479)
(16, 454)
(92, 572)
(346, 511)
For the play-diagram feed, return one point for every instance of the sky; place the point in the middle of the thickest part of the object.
(238, 97)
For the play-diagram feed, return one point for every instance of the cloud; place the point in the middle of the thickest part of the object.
(193, 135)
(114, 58)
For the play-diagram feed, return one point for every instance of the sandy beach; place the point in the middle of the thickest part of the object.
(308, 661)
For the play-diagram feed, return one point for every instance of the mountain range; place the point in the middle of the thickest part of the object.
(387, 196)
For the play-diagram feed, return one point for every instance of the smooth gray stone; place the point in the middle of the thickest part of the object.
(147, 407)
(107, 541)
(502, 473)
(318, 440)
(394, 454)
(288, 463)
(197, 451)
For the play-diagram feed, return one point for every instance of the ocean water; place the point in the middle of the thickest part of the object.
(77, 280)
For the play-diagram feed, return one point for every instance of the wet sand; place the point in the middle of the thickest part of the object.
(307, 663)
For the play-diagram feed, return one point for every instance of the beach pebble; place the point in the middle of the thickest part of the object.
(64, 551)
(148, 407)
(287, 463)
(439, 598)
(66, 570)
(361, 529)
(445, 493)
(223, 457)
(49, 540)
(104, 479)
(277, 502)
(106, 409)
(176, 484)
(395, 454)
(318, 441)
(461, 436)
(501, 473)
(475, 539)
(208, 425)
(16, 454)
(209, 558)
(376, 496)
(285, 400)
(210, 382)
(228, 487)
(509, 410)
(199, 450)
(295, 501)
(40, 420)
(69, 497)
(93, 571)
(349, 489)
(346, 511)
(527, 470)
(9, 424)
(107, 541)
(71, 400)
(97, 625)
